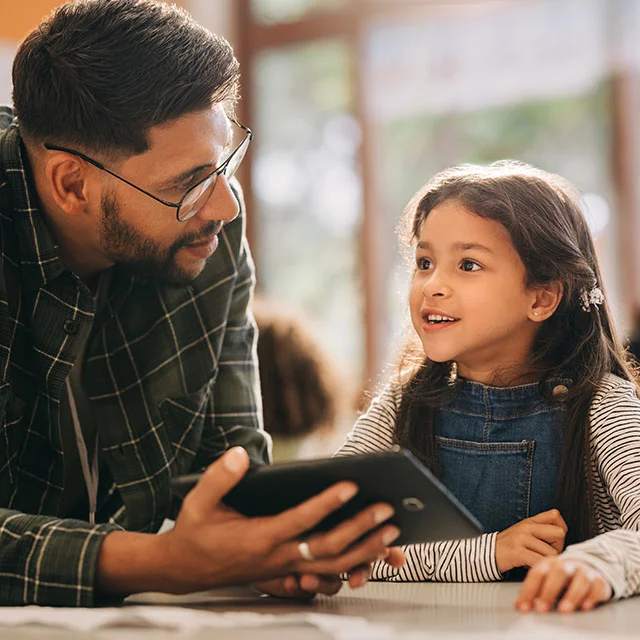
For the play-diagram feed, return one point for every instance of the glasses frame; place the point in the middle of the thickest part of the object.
(176, 205)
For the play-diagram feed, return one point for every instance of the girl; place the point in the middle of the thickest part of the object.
(522, 401)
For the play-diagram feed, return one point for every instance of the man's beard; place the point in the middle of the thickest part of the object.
(140, 256)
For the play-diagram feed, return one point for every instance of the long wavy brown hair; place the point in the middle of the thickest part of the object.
(542, 214)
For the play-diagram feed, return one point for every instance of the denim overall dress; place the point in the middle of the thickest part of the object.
(499, 450)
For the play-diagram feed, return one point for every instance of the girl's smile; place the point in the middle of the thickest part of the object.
(437, 320)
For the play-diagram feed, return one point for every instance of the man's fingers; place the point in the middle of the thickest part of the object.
(219, 478)
(295, 521)
(359, 576)
(334, 542)
(394, 557)
(312, 584)
(364, 552)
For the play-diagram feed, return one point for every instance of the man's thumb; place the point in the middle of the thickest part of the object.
(219, 478)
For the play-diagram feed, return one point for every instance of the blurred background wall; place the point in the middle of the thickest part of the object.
(354, 104)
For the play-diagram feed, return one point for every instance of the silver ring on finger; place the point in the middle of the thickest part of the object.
(305, 552)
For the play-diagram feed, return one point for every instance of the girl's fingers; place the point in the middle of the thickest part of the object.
(579, 587)
(600, 591)
(551, 533)
(541, 548)
(585, 588)
(530, 558)
(556, 580)
(531, 586)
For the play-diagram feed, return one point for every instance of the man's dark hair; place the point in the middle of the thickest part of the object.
(98, 74)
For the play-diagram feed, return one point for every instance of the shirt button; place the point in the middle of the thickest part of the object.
(559, 391)
(71, 327)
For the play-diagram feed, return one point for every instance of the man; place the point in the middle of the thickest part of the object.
(126, 348)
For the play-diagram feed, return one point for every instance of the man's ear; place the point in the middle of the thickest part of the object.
(545, 300)
(67, 179)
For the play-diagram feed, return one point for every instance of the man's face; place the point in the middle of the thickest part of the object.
(144, 236)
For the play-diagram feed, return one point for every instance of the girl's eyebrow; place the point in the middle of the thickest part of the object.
(460, 246)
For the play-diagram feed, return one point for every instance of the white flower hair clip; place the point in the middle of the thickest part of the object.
(593, 297)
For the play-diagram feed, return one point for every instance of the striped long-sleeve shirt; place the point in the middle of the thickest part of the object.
(615, 471)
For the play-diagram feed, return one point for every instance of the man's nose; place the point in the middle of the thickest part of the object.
(222, 204)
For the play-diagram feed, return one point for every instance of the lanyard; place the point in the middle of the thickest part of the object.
(90, 470)
(91, 473)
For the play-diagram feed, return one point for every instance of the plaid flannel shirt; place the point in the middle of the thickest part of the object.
(171, 378)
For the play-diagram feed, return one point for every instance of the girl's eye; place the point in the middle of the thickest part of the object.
(470, 265)
(423, 264)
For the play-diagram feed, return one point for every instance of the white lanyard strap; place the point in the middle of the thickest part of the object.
(91, 474)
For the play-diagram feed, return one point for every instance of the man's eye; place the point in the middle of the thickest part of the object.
(423, 264)
(470, 265)
(184, 186)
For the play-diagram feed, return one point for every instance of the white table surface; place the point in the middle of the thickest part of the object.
(406, 611)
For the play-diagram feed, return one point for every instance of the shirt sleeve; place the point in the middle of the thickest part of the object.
(234, 414)
(375, 429)
(48, 561)
(615, 451)
(469, 560)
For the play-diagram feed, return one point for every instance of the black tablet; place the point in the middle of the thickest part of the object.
(424, 508)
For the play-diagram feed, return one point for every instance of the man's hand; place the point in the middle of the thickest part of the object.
(212, 545)
(531, 540)
(303, 587)
(307, 586)
(565, 584)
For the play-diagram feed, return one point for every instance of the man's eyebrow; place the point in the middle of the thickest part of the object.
(170, 182)
(186, 174)
(459, 246)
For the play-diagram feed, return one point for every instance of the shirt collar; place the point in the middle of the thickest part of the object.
(40, 259)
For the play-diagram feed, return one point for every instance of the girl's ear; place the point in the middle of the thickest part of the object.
(545, 300)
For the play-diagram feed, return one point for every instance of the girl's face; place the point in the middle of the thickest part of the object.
(468, 298)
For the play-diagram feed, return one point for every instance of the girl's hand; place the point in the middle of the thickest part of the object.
(565, 584)
(529, 541)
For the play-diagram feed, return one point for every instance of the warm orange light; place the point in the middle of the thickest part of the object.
(19, 17)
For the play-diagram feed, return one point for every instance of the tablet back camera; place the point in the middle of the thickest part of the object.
(412, 504)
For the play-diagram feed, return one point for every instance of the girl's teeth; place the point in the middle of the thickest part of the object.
(438, 318)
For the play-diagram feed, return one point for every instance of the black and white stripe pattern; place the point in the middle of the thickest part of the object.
(615, 454)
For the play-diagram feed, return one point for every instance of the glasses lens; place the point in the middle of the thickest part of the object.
(236, 158)
(197, 198)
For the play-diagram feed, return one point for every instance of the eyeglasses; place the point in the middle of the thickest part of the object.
(196, 196)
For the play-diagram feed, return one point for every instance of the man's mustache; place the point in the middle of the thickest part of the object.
(212, 228)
